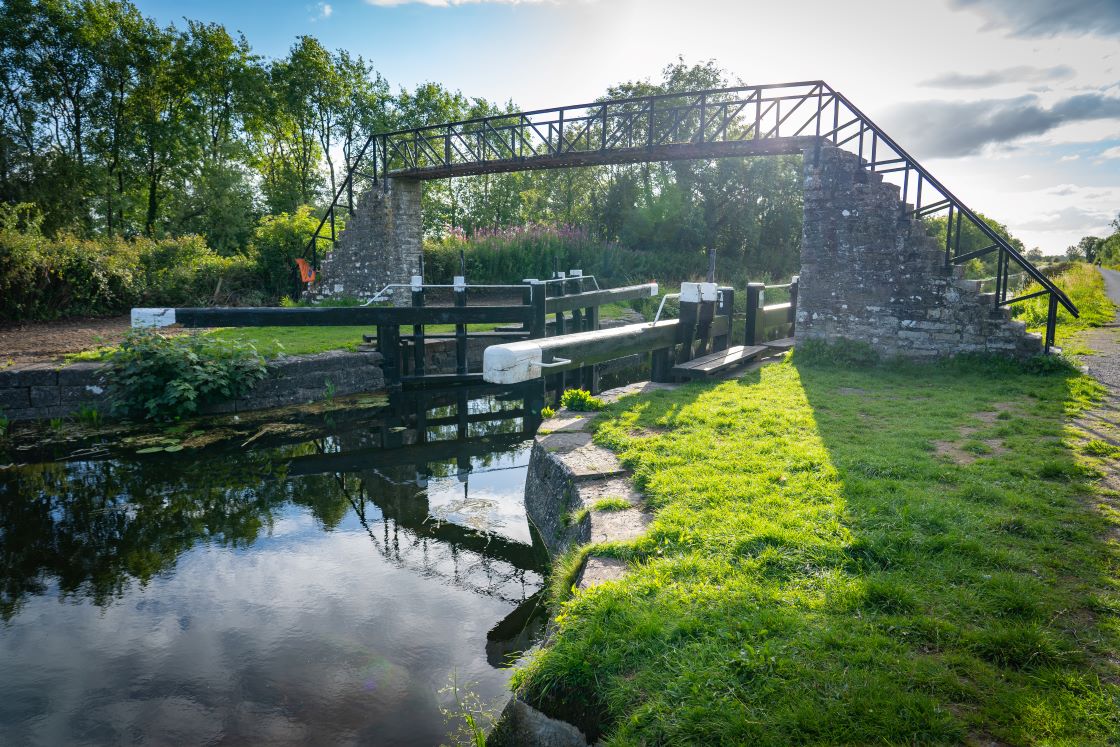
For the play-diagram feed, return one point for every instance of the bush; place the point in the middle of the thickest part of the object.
(49, 278)
(166, 378)
(536, 251)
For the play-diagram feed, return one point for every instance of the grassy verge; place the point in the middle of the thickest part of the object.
(888, 555)
(273, 341)
(1085, 287)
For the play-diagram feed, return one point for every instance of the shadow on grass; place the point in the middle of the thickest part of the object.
(817, 572)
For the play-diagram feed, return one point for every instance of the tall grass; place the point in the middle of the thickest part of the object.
(1085, 287)
(536, 251)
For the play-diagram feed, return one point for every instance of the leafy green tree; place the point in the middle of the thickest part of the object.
(277, 242)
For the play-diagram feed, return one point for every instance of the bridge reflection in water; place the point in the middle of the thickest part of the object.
(229, 592)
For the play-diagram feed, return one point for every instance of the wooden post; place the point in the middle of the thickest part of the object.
(460, 292)
(755, 300)
(707, 312)
(538, 298)
(793, 284)
(591, 375)
(418, 329)
(534, 403)
(725, 306)
(552, 290)
(391, 355)
(686, 322)
(576, 284)
(659, 366)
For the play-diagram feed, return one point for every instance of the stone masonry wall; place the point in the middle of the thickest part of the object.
(381, 244)
(868, 275)
(45, 390)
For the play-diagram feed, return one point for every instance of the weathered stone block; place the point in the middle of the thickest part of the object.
(15, 398)
(44, 396)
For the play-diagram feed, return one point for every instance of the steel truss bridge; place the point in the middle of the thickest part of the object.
(775, 119)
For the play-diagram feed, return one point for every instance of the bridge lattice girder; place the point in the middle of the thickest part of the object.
(774, 119)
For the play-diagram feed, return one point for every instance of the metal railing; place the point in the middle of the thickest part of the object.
(739, 121)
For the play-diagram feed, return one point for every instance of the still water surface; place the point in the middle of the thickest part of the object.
(301, 589)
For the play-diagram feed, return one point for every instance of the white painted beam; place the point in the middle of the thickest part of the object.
(142, 318)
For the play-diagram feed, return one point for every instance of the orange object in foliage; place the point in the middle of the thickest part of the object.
(306, 273)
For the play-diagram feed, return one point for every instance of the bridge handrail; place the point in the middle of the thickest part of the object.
(987, 230)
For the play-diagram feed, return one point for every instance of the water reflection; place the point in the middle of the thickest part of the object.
(316, 590)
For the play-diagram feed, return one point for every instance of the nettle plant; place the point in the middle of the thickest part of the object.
(156, 377)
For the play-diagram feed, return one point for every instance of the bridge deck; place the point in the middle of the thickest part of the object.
(667, 152)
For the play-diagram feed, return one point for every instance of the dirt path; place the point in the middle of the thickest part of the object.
(50, 341)
(1105, 365)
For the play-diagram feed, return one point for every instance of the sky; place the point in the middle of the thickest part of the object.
(1013, 104)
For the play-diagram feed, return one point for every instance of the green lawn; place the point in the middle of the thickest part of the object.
(273, 341)
(888, 555)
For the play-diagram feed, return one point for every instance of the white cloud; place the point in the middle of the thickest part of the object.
(322, 11)
(1113, 152)
(449, 3)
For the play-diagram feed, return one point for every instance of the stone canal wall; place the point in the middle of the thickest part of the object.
(48, 390)
(43, 390)
(567, 476)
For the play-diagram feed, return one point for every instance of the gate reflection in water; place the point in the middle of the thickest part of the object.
(320, 590)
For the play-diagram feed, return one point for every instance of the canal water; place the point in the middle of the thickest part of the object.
(321, 580)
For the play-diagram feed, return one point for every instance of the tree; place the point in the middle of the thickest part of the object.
(1087, 248)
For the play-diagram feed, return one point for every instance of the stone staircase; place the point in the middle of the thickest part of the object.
(381, 245)
(871, 274)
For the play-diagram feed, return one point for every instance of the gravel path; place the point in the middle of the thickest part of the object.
(1105, 365)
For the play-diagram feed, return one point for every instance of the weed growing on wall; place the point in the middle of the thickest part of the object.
(580, 400)
(166, 378)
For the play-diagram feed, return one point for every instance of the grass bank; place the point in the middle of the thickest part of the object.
(886, 555)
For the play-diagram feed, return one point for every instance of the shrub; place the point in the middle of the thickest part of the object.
(277, 242)
(166, 378)
(580, 400)
(536, 251)
(48, 278)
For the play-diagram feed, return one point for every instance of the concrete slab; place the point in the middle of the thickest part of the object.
(638, 387)
(610, 487)
(600, 570)
(618, 526)
(567, 422)
(591, 461)
(562, 443)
